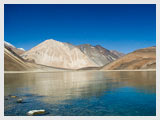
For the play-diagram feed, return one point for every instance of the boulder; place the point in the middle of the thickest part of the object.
(19, 100)
(35, 112)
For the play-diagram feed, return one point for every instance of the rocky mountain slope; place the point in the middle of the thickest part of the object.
(98, 54)
(13, 62)
(139, 59)
(13, 48)
(119, 54)
(58, 54)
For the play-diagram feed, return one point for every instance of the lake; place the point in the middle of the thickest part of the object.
(82, 93)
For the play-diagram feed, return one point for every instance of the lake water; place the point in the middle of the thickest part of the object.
(82, 93)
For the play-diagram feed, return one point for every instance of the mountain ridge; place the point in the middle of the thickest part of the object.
(18, 51)
(62, 55)
(58, 54)
(98, 54)
(12, 62)
(139, 59)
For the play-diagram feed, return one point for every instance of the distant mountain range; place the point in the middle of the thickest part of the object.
(65, 55)
(55, 55)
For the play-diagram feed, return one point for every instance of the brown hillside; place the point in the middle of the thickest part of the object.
(139, 59)
(12, 62)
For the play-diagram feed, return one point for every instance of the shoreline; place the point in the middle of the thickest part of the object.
(132, 70)
(6, 72)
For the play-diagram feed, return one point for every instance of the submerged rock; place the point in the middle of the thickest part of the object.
(19, 100)
(13, 96)
(6, 98)
(35, 112)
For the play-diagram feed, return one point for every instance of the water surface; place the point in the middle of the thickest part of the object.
(82, 93)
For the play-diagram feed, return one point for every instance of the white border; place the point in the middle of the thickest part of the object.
(2, 2)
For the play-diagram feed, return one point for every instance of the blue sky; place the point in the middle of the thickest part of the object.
(116, 27)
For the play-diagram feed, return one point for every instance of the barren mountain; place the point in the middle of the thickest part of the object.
(119, 54)
(58, 54)
(98, 54)
(139, 59)
(13, 48)
(13, 62)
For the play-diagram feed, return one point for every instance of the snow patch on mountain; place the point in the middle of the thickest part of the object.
(21, 49)
(8, 44)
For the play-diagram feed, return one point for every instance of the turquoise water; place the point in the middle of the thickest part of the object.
(83, 93)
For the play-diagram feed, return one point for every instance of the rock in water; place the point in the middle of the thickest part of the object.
(19, 100)
(35, 112)
(6, 98)
(13, 96)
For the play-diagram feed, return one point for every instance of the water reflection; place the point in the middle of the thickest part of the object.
(62, 86)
